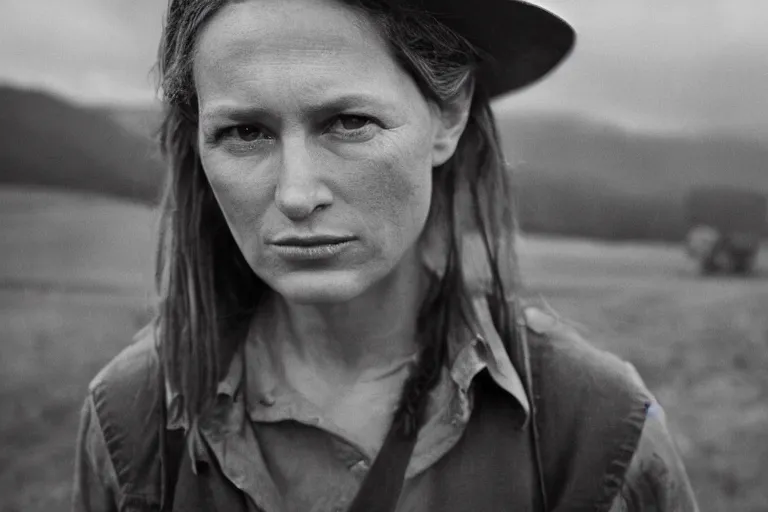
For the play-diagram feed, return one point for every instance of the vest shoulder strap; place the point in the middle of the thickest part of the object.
(129, 400)
(590, 412)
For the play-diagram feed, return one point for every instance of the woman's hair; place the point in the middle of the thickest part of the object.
(207, 290)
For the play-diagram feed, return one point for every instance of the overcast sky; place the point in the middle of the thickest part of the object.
(648, 64)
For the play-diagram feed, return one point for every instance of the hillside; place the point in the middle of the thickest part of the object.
(586, 177)
(143, 121)
(627, 160)
(47, 141)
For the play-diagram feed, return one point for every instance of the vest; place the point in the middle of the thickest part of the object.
(589, 411)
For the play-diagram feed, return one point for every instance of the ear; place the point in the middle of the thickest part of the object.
(449, 124)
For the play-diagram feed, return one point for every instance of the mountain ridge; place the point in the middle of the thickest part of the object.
(46, 140)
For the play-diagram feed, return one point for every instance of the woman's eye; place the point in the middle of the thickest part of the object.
(353, 128)
(353, 122)
(248, 133)
(244, 138)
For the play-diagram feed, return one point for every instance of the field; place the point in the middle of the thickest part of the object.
(76, 277)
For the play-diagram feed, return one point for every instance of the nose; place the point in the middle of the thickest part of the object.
(300, 191)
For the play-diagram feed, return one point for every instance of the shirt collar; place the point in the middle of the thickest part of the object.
(479, 348)
(226, 390)
(470, 351)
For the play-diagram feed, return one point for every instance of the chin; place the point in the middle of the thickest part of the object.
(319, 287)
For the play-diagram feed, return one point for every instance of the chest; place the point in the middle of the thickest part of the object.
(361, 413)
(485, 469)
(364, 418)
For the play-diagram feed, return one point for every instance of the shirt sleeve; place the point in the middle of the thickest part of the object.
(656, 479)
(95, 482)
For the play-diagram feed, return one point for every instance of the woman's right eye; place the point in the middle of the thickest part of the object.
(246, 133)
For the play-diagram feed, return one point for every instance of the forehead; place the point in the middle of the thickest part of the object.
(322, 43)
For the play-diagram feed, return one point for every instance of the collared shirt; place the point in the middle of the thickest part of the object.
(287, 465)
(286, 454)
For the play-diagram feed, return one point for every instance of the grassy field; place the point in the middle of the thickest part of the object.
(76, 273)
(76, 278)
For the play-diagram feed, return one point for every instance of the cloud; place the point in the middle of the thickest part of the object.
(677, 63)
(692, 64)
(89, 49)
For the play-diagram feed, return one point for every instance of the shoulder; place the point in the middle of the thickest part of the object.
(563, 353)
(656, 478)
(127, 391)
(132, 366)
(591, 409)
(123, 420)
(577, 380)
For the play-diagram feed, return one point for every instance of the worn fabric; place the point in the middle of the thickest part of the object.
(656, 479)
(321, 462)
(471, 455)
(313, 464)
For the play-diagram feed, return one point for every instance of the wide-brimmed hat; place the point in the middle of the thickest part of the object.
(521, 42)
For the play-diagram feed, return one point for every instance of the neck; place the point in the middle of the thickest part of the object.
(363, 338)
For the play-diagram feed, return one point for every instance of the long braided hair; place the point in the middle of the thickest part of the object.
(207, 289)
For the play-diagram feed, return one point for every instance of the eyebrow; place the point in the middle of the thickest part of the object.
(245, 112)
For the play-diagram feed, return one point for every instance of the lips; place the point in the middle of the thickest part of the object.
(310, 240)
(312, 248)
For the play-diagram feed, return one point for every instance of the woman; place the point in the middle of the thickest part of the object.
(321, 342)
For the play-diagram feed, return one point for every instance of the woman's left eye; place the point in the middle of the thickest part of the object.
(358, 128)
(353, 122)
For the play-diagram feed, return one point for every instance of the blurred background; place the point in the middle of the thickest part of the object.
(641, 170)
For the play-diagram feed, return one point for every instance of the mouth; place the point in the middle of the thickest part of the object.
(310, 240)
(311, 247)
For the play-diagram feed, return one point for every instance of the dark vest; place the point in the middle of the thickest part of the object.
(590, 412)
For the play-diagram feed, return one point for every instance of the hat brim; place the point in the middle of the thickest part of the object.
(520, 42)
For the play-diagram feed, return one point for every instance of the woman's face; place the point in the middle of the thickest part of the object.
(318, 147)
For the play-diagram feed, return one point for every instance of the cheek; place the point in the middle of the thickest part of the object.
(395, 194)
(242, 197)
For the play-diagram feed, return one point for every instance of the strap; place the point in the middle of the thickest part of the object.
(381, 488)
(205, 489)
(171, 447)
(521, 332)
(172, 444)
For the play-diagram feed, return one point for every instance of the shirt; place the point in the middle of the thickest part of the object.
(287, 455)
(287, 464)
